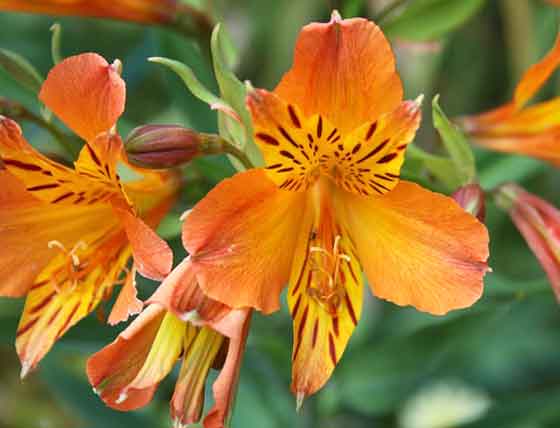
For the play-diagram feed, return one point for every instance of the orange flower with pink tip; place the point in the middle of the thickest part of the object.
(72, 231)
(329, 204)
(145, 11)
(539, 223)
(180, 323)
(518, 128)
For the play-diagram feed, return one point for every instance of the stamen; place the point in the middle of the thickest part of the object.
(332, 294)
(75, 266)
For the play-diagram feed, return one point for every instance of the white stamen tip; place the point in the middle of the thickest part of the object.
(300, 396)
(335, 16)
(419, 99)
(56, 244)
(185, 215)
(178, 424)
(25, 369)
(190, 316)
(122, 398)
(117, 66)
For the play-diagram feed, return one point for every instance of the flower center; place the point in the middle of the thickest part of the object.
(326, 286)
(73, 269)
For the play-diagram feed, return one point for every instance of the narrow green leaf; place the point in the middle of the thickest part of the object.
(456, 145)
(21, 70)
(56, 30)
(193, 84)
(234, 92)
(430, 19)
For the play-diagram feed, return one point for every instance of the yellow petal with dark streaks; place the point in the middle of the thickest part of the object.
(55, 183)
(325, 297)
(57, 301)
(290, 142)
(369, 160)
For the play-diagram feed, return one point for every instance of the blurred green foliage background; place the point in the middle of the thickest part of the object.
(506, 348)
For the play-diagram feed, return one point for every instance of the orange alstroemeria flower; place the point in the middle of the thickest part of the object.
(180, 323)
(330, 203)
(68, 233)
(143, 11)
(517, 128)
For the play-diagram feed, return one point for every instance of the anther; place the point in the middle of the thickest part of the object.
(329, 266)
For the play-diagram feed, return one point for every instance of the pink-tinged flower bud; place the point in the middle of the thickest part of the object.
(539, 223)
(471, 198)
(166, 146)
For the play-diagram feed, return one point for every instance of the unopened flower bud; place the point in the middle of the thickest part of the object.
(539, 223)
(471, 198)
(166, 146)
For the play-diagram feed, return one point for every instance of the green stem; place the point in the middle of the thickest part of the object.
(231, 149)
(56, 30)
(18, 112)
(58, 135)
(387, 11)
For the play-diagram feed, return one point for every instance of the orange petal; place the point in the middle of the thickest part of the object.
(86, 93)
(428, 252)
(343, 70)
(148, 11)
(27, 228)
(541, 146)
(537, 75)
(55, 303)
(236, 328)
(55, 183)
(13, 193)
(113, 368)
(241, 238)
(152, 256)
(325, 299)
(181, 294)
(127, 303)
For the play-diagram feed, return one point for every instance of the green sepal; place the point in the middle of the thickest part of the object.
(456, 144)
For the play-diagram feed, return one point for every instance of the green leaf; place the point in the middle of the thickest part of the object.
(234, 92)
(441, 168)
(456, 144)
(56, 30)
(430, 19)
(21, 70)
(194, 85)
